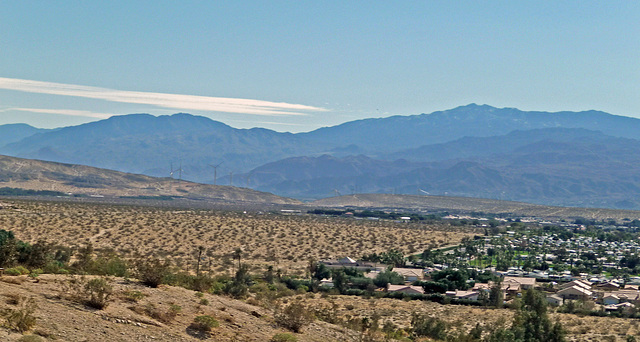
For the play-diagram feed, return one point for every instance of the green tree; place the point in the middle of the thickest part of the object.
(340, 280)
(455, 279)
(321, 271)
(8, 249)
(239, 286)
(496, 296)
(393, 257)
(388, 277)
(41, 254)
(531, 323)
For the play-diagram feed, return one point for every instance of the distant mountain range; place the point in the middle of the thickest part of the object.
(567, 158)
(553, 166)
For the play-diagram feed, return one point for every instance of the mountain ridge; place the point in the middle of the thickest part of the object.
(565, 158)
(29, 174)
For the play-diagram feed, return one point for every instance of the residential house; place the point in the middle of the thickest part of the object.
(409, 274)
(525, 283)
(469, 295)
(609, 286)
(579, 282)
(359, 265)
(405, 289)
(554, 300)
(575, 292)
(610, 299)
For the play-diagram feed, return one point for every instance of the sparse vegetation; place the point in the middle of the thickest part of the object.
(152, 272)
(130, 232)
(22, 317)
(373, 315)
(204, 323)
(283, 337)
(293, 317)
(98, 291)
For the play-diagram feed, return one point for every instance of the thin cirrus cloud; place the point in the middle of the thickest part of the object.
(68, 112)
(175, 101)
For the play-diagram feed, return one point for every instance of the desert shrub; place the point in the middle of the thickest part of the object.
(98, 291)
(422, 325)
(12, 272)
(53, 267)
(283, 337)
(21, 318)
(16, 271)
(204, 323)
(35, 273)
(30, 338)
(293, 317)
(84, 259)
(133, 296)
(270, 292)
(111, 265)
(328, 314)
(174, 309)
(163, 315)
(201, 283)
(204, 301)
(152, 272)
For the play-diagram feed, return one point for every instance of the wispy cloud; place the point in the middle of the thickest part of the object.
(175, 101)
(68, 112)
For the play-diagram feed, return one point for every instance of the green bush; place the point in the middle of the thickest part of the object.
(16, 271)
(204, 323)
(98, 290)
(152, 272)
(201, 283)
(283, 337)
(109, 265)
(12, 272)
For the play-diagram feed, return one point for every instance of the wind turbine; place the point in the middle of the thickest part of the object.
(180, 171)
(231, 178)
(215, 172)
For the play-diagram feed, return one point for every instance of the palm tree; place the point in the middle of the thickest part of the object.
(237, 254)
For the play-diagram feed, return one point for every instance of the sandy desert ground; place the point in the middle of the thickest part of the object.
(285, 242)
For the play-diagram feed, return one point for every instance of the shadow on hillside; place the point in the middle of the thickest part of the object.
(199, 334)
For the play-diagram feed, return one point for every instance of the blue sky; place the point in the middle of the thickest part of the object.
(299, 65)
